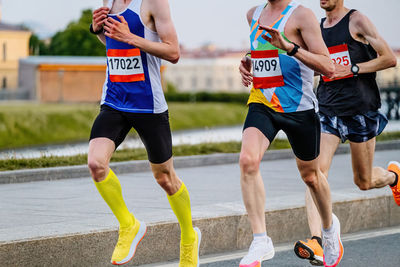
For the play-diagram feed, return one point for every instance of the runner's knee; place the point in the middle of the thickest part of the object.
(310, 178)
(164, 178)
(98, 169)
(248, 164)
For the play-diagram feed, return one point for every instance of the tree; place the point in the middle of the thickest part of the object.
(76, 40)
(37, 46)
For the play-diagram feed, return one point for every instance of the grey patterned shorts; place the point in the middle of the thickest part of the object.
(357, 128)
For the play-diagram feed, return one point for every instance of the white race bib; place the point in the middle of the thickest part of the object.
(125, 65)
(267, 71)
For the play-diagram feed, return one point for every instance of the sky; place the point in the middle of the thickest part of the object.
(221, 22)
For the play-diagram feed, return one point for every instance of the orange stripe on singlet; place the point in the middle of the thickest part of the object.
(260, 31)
(275, 103)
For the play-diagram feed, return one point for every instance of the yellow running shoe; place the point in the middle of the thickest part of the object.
(189, 254)
(128, 240)
(310, 250)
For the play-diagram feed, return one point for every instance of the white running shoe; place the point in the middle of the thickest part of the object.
(332, 244)
(260, 249)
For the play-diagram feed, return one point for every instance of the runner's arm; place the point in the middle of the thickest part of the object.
(245, 63)
(316, 56)
(168, 49)
(366, 30)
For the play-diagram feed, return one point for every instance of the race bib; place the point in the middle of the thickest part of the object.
(267, 71)
(340, 55)
(125, 65)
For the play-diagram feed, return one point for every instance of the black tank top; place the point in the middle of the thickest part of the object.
(350, 96)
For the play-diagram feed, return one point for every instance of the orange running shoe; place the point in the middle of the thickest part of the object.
(310, 250)
(394, 166)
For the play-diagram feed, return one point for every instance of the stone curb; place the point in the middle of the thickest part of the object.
(69, 172)
(162, 244)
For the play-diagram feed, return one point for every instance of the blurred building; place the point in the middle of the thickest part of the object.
(14, 45)
(80, 79)
(206, 69)
(62, 79)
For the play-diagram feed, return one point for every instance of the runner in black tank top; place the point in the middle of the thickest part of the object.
(354, 95)
(349, 104)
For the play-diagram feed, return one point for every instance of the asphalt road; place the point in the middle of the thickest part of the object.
(376, 251)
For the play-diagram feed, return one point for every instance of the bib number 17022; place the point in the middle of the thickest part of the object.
(124, 63)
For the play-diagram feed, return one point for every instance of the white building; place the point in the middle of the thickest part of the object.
(214, 73)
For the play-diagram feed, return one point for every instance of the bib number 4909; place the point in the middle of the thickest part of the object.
(260, 65)
(267, 71)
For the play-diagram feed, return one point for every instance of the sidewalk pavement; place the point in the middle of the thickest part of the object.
(66, 222)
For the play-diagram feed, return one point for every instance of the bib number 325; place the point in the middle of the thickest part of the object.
(125, 65)
(267, 71)
(339, 55)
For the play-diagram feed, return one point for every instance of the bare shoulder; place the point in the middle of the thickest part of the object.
(359, 20)
(157, 6)
(304, 15)
(250, 14)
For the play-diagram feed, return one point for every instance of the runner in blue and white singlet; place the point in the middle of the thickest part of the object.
(133, 82)
(137, 35)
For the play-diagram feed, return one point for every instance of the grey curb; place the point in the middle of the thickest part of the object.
(57, 173)
(162, 240)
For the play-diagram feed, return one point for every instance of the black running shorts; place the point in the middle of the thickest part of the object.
(153, 129)
(302, 128)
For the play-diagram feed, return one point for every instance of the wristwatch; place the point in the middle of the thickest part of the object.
(92, 31)
(294, 50)
(355, 69)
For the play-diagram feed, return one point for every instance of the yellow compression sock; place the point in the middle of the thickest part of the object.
(110, 190)
(180, 204)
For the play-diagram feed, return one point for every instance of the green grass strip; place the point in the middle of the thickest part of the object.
(129, 154)
(29, 124)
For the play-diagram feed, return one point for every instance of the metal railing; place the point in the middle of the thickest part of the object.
(14, 95)
(391, 102)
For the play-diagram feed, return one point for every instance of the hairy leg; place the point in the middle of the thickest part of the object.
(254, 145)
(329, 144)
(366, 176)
(319, 188)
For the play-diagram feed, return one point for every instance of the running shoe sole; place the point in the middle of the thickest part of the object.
(266, 257)
(198, 247)
(135, 243)
(304, 252)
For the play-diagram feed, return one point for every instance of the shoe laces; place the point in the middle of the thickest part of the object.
(122, 238)
(186, 253)
(330, 245)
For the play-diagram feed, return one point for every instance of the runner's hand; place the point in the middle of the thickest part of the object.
(99, 18)
(276, 39)
(244, 69)
(117, 30)
(342, 71)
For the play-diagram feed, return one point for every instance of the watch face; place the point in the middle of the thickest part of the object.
(355, 69)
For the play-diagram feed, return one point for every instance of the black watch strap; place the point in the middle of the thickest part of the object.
(294, 51)
(92, 31)
(355, 69)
